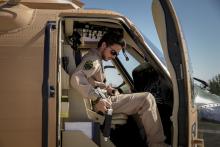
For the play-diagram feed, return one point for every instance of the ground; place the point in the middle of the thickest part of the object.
(210, 132)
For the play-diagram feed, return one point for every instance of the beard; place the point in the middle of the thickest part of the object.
(104, 58)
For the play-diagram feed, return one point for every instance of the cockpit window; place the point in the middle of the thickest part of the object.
(157, 52)
(135, 59)
(130, 64)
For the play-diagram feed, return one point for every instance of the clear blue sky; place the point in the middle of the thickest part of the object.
(200, 20)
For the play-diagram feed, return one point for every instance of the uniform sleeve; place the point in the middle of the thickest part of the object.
(79, 80)
(102, 85)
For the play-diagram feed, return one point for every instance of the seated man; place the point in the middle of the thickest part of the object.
(89, 75)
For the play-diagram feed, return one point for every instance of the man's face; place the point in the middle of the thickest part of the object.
(111, 52)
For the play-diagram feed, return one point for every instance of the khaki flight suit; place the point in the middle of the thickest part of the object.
(89, 74)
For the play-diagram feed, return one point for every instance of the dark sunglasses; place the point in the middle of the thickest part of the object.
(113, 52)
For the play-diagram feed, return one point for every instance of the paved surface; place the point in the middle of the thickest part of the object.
(210, 132)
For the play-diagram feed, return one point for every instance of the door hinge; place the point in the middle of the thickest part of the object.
(52, 91)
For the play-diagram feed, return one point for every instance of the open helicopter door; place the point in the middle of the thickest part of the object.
(184, 116)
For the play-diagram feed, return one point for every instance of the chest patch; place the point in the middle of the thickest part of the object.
(88, 65)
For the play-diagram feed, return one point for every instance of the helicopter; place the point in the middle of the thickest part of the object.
(41, 44)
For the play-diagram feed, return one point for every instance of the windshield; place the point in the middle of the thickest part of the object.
(156, 51)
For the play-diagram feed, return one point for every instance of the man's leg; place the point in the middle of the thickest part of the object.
(143, 104)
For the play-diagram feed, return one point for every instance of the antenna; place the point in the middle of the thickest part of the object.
(124, 53)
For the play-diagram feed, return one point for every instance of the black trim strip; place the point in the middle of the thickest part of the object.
(174, 46)
(45, 86)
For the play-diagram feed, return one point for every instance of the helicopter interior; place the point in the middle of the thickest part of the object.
(133, 71)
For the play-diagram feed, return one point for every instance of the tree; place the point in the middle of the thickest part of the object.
(214, 85)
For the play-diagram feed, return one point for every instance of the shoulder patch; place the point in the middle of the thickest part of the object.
(88, 65)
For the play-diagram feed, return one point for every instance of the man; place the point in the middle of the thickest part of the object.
(89, 75)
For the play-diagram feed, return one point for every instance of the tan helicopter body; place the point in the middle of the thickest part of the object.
(37, 102)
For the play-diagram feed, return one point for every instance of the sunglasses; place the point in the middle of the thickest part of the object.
(113, 52)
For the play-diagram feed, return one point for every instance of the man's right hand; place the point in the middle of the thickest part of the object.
(103, 105)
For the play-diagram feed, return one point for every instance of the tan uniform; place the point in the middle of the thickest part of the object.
(86, 77)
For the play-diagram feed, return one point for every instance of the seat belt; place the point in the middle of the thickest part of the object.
(78, 57)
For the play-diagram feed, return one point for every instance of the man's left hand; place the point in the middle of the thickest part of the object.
(110, 90)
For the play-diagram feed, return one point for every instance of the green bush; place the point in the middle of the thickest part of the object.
(214, 85)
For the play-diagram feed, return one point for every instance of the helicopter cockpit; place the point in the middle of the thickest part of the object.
(131, 71)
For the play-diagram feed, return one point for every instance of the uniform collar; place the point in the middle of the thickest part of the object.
(95, 50)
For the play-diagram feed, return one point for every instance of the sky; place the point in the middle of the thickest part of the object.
(200, 21)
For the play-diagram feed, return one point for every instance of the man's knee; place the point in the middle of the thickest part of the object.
(149, 98)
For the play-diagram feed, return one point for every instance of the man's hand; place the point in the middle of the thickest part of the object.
(110, 90)
(103, 105)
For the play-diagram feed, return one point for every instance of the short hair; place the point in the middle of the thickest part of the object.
(111, 38)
